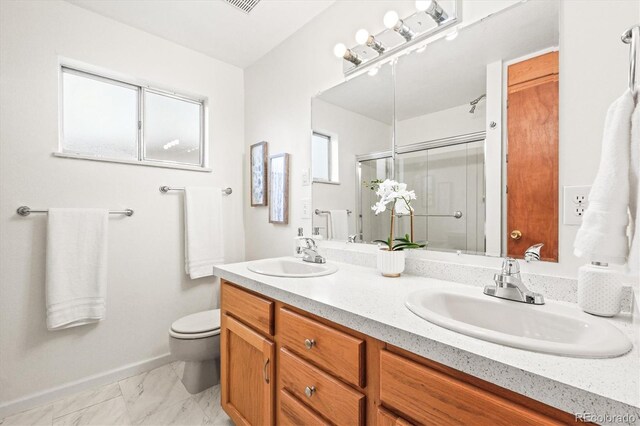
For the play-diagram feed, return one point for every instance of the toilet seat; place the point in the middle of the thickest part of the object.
(197, 326)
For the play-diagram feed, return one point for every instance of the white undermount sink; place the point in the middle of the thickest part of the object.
(294, 268)
(553, 328)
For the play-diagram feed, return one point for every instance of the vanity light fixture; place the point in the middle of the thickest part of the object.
(363, 37)
(433, 9)
(341, 51)
(392, 21)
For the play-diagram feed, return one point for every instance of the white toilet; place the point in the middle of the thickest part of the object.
(195, 339)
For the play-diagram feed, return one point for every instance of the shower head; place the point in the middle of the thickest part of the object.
(474, 103)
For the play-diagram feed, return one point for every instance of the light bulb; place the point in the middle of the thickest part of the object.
(362, 36)
(339, 50)
(452, 35)
(423, 5)
(373, 71)
(390, 19)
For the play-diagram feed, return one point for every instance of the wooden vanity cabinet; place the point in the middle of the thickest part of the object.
(284, 366)
(247, 357)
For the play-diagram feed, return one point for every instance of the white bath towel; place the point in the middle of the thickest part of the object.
(203, 246)
(338, 225)
(603, 234)
(634, 194)
(76, 279)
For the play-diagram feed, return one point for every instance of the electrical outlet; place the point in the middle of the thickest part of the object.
(575, 203)
(579, 198)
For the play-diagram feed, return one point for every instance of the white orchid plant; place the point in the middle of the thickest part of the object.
(395, 194)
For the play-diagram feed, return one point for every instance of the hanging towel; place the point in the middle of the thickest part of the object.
(76, 279)
(634, 194)
(338, 225)
(203, 230)
(603, 234)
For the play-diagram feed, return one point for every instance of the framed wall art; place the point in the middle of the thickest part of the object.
(259, 176)
(279, 188)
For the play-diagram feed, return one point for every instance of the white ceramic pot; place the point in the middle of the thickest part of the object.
(390, 263)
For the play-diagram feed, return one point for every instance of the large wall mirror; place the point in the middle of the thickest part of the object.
(465, 122)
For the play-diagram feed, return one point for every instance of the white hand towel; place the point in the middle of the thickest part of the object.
(76, 280)
(634, 194)
(602, 236)
(203, 246)
(338, 225)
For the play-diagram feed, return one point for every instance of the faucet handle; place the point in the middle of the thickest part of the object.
(311, 243)
(510, 266)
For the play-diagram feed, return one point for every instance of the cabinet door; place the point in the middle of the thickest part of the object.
(247, 374)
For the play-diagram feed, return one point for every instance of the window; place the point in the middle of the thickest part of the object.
(324, 158)
(112, 120)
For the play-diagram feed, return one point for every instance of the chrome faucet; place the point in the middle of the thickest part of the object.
(311, 252)
(509, 285)
(353, 237)
(532, 254)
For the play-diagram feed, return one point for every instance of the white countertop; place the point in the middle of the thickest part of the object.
(361, 299)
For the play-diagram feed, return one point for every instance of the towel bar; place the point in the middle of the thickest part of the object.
(26, 211)
(164, 189)
(319, 212)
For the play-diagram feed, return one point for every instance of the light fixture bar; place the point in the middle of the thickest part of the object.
(404, 30)
(436, 12)
(375, 44)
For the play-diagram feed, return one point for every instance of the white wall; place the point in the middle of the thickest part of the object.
(147, 286)
(593, 72)
(448, 122)
(356, 135)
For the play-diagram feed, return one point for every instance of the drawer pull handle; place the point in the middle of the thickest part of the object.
(309, 343)
(266, 375)
(309, 391)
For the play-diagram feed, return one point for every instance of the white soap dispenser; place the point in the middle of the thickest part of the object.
(599, 290)
(298, 243)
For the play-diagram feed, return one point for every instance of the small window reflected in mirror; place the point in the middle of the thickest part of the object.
(324, 158)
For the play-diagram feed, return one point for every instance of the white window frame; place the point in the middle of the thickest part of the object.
(84, 70)
(332, 158)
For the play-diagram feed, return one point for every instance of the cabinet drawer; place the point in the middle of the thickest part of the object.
(431, 397)
(334, 400)
(386, 418)
(251, 309)
(295, 413)
(333, 350)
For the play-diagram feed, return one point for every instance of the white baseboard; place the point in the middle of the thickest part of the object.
(49, 395)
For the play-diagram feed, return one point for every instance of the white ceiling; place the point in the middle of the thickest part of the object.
(214, 27)
(449, 74)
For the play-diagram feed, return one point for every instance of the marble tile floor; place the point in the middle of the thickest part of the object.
(154, 398)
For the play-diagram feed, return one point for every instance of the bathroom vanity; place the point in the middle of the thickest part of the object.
(343, 349)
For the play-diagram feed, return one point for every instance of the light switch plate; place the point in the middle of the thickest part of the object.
(305, 177)
(306, 208)
(574, 204)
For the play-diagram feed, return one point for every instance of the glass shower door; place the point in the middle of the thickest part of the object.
(372, 227)
(446, 180)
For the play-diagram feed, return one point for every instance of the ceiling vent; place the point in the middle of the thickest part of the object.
(244, 5)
